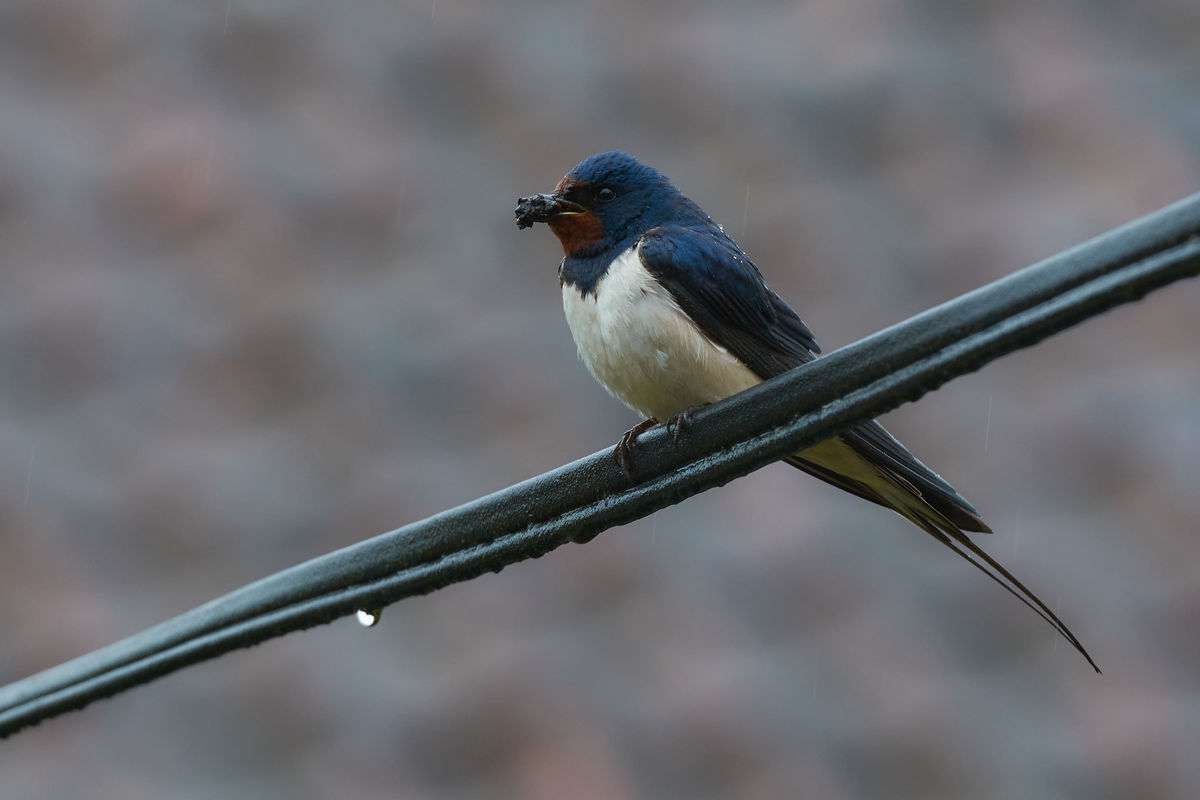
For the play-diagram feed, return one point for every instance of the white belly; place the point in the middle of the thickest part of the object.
(647, 353)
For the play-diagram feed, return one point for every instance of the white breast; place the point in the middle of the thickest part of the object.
(643, 348)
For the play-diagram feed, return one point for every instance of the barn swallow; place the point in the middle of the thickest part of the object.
(669, 313)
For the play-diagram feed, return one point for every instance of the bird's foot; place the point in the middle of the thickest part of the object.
(623, 452)
(677, 425)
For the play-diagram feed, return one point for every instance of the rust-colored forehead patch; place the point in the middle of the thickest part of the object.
(568, 183)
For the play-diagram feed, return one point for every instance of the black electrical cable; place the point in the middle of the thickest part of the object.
(579, 500)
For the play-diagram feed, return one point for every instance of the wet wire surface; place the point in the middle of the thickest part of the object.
(579, 500)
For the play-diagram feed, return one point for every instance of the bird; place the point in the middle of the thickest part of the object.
(669, 314)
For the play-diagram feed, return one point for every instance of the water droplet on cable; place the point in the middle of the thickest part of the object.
(368, 617)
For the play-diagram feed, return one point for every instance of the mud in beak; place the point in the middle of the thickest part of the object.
(543, 208)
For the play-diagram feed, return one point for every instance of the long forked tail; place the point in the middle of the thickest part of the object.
(870, 463)
(945, 532)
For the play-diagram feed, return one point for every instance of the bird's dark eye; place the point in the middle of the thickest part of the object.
(604, 194)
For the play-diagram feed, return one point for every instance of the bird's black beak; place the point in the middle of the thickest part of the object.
(543, 208)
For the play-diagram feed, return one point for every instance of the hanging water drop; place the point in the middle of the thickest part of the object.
(368, 617)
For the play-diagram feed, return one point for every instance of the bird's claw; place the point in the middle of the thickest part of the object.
(623, 452)
(677, 425)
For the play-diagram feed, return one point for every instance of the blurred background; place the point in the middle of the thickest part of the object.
(262, 296)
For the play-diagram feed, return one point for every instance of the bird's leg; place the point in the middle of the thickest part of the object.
(623, 452)
(677, 425)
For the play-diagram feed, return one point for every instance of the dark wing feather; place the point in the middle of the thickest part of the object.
(872, 441)
(875, 444)
(721, 289)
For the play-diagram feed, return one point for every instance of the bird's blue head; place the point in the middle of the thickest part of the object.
(606, 201)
